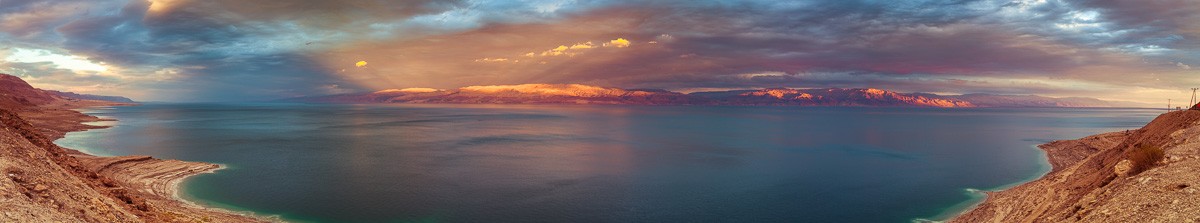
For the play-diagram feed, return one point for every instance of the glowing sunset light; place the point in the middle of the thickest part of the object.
(70, 62)
(409, 90)
(1084, 49)
(578, 90)
(619, 43)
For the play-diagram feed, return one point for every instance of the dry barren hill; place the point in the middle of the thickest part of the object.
(16, 94)
(1150, 174)
(42, 182)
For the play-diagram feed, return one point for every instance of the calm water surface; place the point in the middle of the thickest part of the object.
(471, 163)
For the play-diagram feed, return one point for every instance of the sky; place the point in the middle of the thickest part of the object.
(247, 50)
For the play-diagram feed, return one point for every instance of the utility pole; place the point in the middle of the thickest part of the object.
(1193, 101)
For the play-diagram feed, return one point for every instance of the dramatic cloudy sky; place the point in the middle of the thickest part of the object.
(214, 50)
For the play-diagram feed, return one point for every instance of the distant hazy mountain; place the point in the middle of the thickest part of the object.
(91, 96)
(991, 100)
(830, 97)
(584, 94)
(15, 92)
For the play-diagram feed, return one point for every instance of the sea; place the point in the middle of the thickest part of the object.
(596, 163)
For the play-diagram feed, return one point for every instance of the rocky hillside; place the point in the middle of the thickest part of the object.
(91, 96)
(1109, 178)
(42, 182)
(584, 94)
(16, 93)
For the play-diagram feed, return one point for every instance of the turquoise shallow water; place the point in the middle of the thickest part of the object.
(514, 163)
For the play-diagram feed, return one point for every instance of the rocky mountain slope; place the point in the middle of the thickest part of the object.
(1106, 178)
(91, 97)
(42, 182)
(584, 94)
(16, 93)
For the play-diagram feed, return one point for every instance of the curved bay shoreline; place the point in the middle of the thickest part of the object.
(1081, 185)
(130, 188)
(1086, 182)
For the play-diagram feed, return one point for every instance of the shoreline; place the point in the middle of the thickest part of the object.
(171, 187)
(1056, 161)
(167, 182)
(1091, 180)
(155, 182)
(980, 196)
(179, 195)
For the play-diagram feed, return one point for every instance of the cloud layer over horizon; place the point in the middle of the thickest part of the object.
(223, 50)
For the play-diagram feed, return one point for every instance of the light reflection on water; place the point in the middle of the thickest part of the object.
(473, 163)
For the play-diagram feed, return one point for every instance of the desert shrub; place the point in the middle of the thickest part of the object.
(1144, 157)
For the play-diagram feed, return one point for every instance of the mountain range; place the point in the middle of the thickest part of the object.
(15, 92)
(585, 94)
(11, 86)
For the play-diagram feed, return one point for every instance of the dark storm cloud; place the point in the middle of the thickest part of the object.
(206, 53)
(220, 54)
(1170, 23)
(712, 42)
(889, 37)
(220, 48)
(226, 49)
(897, 42)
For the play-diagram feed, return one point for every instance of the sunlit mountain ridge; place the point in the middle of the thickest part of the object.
(587, 94)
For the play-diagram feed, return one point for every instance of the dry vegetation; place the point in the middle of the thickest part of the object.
(1145, 157)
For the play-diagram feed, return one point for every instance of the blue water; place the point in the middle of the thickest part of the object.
(472, 163)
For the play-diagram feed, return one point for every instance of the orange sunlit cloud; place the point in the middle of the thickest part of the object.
(587, 45)
(618, 43)
(494, 60)
(618, 47)
(563, 50)
(1102, 49)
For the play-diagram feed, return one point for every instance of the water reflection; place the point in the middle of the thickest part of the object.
(472, 163)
